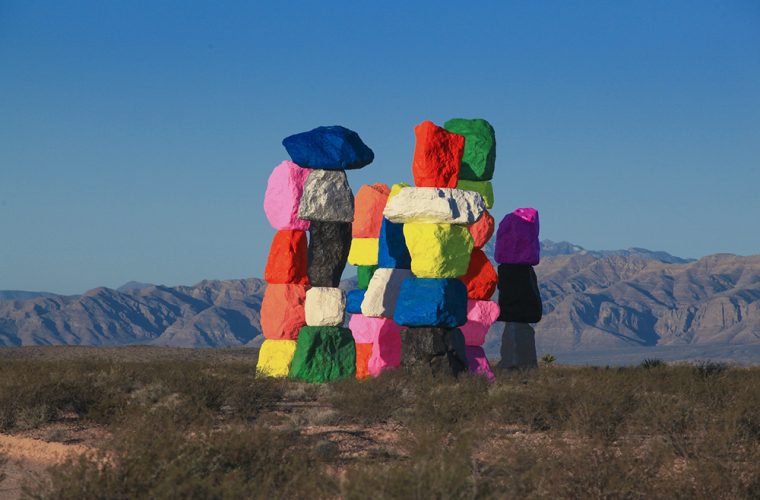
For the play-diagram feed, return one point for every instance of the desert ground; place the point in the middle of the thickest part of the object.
(147, 422)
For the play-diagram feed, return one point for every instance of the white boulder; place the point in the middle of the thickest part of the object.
(435, 205)
(382, 292)
(325, 306)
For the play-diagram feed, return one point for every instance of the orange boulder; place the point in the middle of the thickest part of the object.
(363, 353)
(482, 230)
(481, 278)
(282, 311)
(288, 258)
(368, 210)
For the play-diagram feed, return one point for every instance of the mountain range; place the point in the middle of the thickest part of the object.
(593, 300)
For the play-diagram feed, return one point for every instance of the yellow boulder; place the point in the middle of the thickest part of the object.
(438, 250)
(363, 251)
(485, 188)
(275, 357)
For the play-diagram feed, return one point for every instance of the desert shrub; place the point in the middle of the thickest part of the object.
(548, 359)
(153, 457)
(589, 469)
(247, 397)
(534, 399)
(437, 467)
(441, 405)
(34, 393)
(650, 363)
(372, 400)
(706, 369)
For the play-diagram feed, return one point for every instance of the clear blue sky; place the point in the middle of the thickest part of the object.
(136, 137)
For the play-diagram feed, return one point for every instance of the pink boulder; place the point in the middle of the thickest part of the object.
(386, 351)
(367, 329)
(478, 363)
(481, 314)
(283, 196)
(517, 238)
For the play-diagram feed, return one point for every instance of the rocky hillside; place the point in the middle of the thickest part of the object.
(210, 314)
(617, 301)
(592, 300)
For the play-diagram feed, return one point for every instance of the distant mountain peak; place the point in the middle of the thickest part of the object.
(133, 285)
(551, 248)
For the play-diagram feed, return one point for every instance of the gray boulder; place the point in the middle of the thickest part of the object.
(518, 346)
(327, 197)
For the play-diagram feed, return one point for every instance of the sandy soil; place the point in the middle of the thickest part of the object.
(29, 457)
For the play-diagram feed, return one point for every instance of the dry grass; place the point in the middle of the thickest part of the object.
(206, 428)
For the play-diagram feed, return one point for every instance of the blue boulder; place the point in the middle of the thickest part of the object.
(354, 300)
(328, 148)
(440, 302)
(392, 251)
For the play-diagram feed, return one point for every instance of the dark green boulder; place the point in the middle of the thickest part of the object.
(323, 354)
(479, 155)
(363, 275)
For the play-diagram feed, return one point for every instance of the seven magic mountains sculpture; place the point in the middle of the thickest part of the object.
(424, 283)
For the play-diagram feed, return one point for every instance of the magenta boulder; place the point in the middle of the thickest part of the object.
(478, 363)
(517, 238)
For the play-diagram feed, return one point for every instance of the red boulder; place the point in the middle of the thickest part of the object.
(288, 258)
(481, 278)
(482, 230)
(437, 156)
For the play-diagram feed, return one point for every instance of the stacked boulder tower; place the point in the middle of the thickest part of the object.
(378, 343)
(282, 308)
(476, 172)
(517, 251)
(424, 283)
(432, 304)
(322, 350)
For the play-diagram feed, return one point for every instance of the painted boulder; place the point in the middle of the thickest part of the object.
(288, 258)
(283, 196)
(282, 311)
(435, 205)
(481, 314)
(437, 156)
(325, 306)
(479, 156)
(327, 197)
(431, 302)
(438, 250)
(517, 238)
(329, 148)
(368, 210)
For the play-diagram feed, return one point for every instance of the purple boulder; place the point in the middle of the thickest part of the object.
(517, 238)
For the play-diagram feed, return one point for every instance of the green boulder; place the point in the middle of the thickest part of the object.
(363, 275)
(485, 188)
(479, 155)
(323, 354)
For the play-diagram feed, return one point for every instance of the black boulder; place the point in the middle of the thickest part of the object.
(519, 298)
(329, 243)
